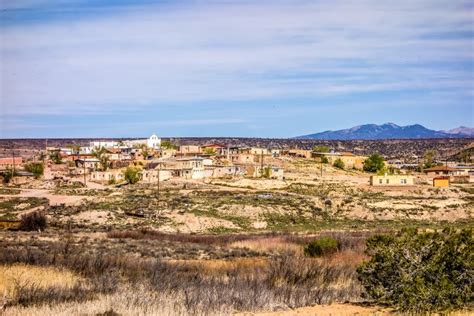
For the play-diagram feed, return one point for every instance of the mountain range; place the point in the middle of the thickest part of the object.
(390, 131)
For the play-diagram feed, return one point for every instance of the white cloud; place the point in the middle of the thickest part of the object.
(232, 51)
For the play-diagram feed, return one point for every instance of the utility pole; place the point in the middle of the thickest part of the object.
(84, 164)
(13, 157)
(159, 168)
(321, 160)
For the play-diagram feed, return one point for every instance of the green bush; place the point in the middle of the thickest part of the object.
(321, 149)
(321, 246)
(420, 272)
(36, 168)
(166, 144)
(374, 163)
(8, 175)
(266, 172)
(338, 163)
(55, 157)
(131, 175)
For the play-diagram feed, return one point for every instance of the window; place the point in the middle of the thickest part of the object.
(403, 181)
(380, 181)
(388, 181)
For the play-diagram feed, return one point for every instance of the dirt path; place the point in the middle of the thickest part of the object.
(94, 185)
(53, 198)
(326, 310)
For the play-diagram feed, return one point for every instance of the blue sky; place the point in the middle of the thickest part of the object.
(271, 68)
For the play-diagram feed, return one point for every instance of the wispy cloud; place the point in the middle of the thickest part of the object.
(137, 57)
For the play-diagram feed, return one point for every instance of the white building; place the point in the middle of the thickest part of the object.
(103, 143)
(154, 142)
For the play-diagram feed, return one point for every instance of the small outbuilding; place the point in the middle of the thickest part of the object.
(441, 182)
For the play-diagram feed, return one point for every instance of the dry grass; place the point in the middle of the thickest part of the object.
(17, 278)
(191, 286)
(344, 257)
(127, 300)
(12, 276)
(245, 266)
(277, 244)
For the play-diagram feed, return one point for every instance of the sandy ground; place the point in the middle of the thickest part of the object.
(187, 223)
(53, 198)
(333, 310)
(96, 217)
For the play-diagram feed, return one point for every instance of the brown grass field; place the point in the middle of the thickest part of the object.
(209, 248)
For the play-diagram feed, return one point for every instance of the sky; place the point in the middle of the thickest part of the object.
(267, 68)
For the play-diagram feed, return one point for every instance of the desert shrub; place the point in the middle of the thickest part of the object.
(55, 157)
(247, 285)
(321, 246)
(131, 175)
(420, 272)
(266, 172)
(324, 159)
(338, 163)
(429, 158)
(374, 163)
(33, 221)
(36, 168)
(8, 175)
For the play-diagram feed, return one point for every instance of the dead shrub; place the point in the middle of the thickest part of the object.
(34, 221)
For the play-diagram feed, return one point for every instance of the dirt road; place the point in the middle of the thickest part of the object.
(53, 198)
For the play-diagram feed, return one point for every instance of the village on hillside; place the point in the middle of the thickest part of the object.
(151, 160)
(205, 215)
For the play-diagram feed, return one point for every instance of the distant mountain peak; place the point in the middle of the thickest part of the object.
(462, 130)
(389, 131)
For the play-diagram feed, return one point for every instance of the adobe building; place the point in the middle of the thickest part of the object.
(439, 171)
(350, 160)
(392, 180)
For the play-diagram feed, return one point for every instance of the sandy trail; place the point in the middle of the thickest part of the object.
(53, 198)
(326, 310)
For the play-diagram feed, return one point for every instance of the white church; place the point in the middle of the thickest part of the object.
(152, 142)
